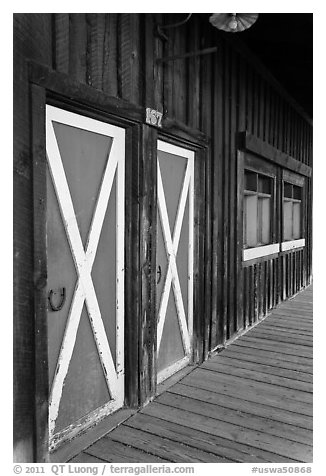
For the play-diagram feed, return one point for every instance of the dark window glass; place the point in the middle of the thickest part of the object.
(288, 190)
(297, 192)
(250, 181)
(264, 184)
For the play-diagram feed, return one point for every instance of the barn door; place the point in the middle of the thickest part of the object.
(175, 189)
(85, 261)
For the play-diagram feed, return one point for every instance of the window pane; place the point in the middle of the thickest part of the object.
(250, 219)
(264, 184)
(287, 220)
(264, 205)
(297, 192)
(288, 190)
(250, 181)
(296, 220)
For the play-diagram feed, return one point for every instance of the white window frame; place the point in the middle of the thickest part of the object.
(289, 245)
(261, 250)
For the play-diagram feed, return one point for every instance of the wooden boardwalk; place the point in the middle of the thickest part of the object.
(250, 403)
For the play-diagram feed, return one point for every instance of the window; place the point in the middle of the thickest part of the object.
(292, 197)
(257, 210)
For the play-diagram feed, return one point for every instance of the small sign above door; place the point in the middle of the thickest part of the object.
(153, 117)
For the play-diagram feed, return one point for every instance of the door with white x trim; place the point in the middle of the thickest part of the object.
(175, 190)
(85, 261)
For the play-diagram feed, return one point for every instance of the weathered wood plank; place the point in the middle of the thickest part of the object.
(32, 39)
(265, 138)
(288, 324)
(230, 431)
(233, 402)
(226, 194)
(147, 49)
(158, 68)
(115, 452)
(242, 363)
(61, 59)
(232, 199)
(86, 458)
(283, 337)
(237, 417)
(302, 312)
(132, 263)
(110, 55)
(285, 349)
(216, 445)
(299, 310)
(268, 391)
(218, 337)
(95, 49)
(175, 452)
(129, 53)
(291, 324)
(40, 272)
(78, 46)
(277, 359)
(257, 376)
(269, 152)
(147, 261)
(195, 88)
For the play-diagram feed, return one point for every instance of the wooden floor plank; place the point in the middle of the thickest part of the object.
(230, 359)
(281, 328)
(114, 452)
(163, 447)
(294, 313)
(234, 416)
(246, 383)
(270, 358)
(234, 386)
(286, 348)
(254, 408)
(295, 323)
(232, 450)
(290, 325)
(86, 458)
(285, 353)
(258, 376)
(296, 451)
(284, 337)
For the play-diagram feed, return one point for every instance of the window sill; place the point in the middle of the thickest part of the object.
(259, 251)
(291, 245)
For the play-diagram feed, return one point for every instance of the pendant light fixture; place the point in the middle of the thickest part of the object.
(233, 22)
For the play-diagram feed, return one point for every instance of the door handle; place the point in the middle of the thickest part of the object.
(159, 273)
(62, 302)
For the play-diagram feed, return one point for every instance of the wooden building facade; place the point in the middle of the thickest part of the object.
(197, 204)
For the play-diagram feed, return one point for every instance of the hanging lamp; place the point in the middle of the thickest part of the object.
(233, 22)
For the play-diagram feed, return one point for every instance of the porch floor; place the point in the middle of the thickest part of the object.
(250, 403)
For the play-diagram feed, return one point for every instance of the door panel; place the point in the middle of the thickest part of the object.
(174, 258)
(85, 258)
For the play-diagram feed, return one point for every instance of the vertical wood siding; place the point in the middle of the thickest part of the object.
(32, 40)
(220, 94)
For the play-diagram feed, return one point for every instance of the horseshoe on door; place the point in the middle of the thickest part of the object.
(62, 302)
